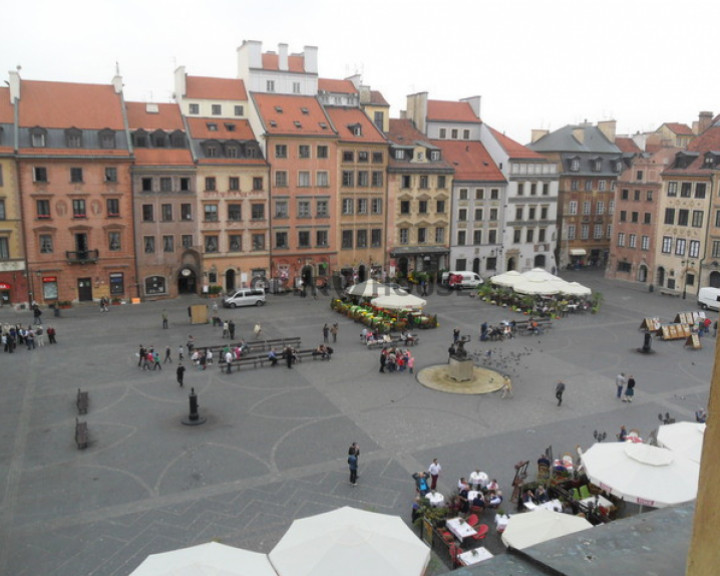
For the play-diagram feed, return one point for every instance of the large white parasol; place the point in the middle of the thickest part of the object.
(370, 289)
(641, 473)
(530, 528)
(211, 559)
(506, 279)
(399, 302)
(350, 541)
(684, 438)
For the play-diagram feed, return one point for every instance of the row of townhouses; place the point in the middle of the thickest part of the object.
(282, 177)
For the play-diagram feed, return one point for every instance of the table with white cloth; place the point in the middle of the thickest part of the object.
(460, 528)
(472, 494)
(478, 479)
(552, 505)
(598, 501)
(435, 498)
(474, 556)
(501, 522)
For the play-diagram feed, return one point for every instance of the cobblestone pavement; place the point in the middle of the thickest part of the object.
(274, 446)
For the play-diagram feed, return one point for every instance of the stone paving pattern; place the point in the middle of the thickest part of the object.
(274, 447)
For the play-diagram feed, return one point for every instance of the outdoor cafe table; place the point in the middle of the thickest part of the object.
(553, 505)
(461, 530)
(474, 556)
(435, 498)
(598, 500)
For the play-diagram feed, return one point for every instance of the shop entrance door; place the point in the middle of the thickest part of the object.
(84, 286)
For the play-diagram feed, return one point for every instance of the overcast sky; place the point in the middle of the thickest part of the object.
(536, 64)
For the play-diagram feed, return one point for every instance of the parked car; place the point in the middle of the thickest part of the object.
(461, 279)
(245, 297)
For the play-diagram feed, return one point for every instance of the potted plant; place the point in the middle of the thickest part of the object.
(64, 304)
(116, 301)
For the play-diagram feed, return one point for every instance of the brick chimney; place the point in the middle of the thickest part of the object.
(537, 133)
(607, 127)
(704, 121)
(14, 85)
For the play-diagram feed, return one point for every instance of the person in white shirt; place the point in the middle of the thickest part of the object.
(477, 479)
(434, 471)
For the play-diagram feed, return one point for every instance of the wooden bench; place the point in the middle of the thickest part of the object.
(394, 341)
(524, 327)
(81, 434)
(255, 345)
(82, 401)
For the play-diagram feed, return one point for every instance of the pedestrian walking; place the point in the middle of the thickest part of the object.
(141, 355)
(334, 332)
(181, 354)
(51, 334)
(156, 360)
(383, 360)
(228, 361)
(620, 382)
(506, 388)
(231, 329)
(559, 390)
(180, 372)
(629, 389)
(37, 313)
(326, 334)
(411, 363)
(164, 319)
(257, 330)
(353, 465)
(226, 329)
(167, 355)
(434, 470)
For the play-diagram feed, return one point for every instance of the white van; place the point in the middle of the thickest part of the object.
(245, 297)
(461, 280)
(709, 298)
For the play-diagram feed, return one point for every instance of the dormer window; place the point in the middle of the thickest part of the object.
(323, 125)
(107, 139)
(304, 111)
(211, 151)
(419, 156)
(297, 124)
(232, 151)
(73, 138)
(177, 139)
(159, 139)
(597, 165)
(278, 109)
(230, 127)
(140, 139)
(273, 124)
(618, 166)
(399, 154)
(38, 137)
(710, 160)
(212, 127)
(356, 129)
(435, 155)
(575, 165)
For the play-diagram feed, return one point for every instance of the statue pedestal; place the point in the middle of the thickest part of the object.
(461, 370)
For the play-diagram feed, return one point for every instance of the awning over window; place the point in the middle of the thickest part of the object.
(578, 252)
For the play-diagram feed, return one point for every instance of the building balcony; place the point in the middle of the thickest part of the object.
(82, 256)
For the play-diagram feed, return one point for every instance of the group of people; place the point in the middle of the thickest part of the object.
(149, 358)
(395, 359)
(32, 336)
(625, 387)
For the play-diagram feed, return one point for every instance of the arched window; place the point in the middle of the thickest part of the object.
(155, 285)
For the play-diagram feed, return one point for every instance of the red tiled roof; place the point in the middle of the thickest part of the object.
(163, 157)
(7, 115)
(708, 140)
(271, 61)
(377, 99)
(451, 111)
(679, 129)
(234, 161)
(403, 132)
(471, 160)
(199, 129)
(68, 105)
(627, 145)
(515, 149)
(215, 88)
(343, 118)
(337, 86)
(167, 117)
(280, 112)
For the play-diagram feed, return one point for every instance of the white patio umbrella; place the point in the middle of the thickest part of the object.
(506, 279)
(540, 274)
(684, 438)
(641, 473)
(399, 302)
(530, 528)
(573, 289)
(350, 541)
(211, 559)
(535, 286)
(370, 289)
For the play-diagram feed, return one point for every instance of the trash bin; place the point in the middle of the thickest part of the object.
(651, 288)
